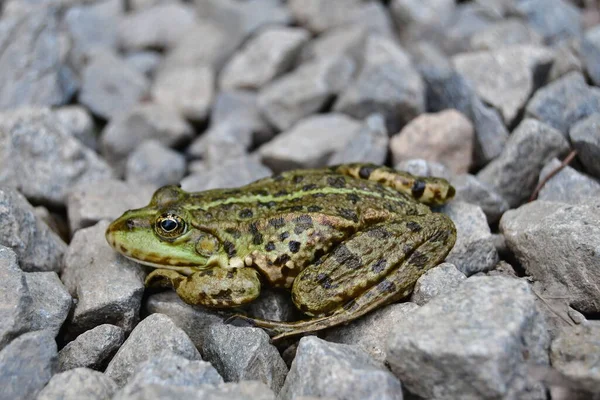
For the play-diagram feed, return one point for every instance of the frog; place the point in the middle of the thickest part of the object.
(341, 240)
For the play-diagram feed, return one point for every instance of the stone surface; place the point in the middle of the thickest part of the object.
(78, 384)
(79, 123)
(265, 56)
(108, 286)
(234, 173)
(246, 390)
(585, 137)
(146, 62)
(474, 250)
(505, 33)
(568, 186)
(438, 281)
(27, 364)
(241, 354)
(107, 199)
(468, 20)
(33, 64)
(418, 20)
(471, 190)
(151, 336)
(37, 247)
(566, 59)
(154, 164)
(92, 349)
(310, 143)
(339, 371)
(187, 89)
(506, 78)
(590, 54)
(514, 173)
(564, 102)
(338, 42)
(555, 20)
(305, 90)
(370, 332)
(473, 343)
(446, 137)
(30, 160)
(369, 145)
(110, 86)
(420, 167)
(51, 301)
(15, 300)
(557, 245)
(275, 305)
(387, 84)
(158, 27)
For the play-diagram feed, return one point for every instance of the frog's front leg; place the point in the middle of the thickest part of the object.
(214, 287)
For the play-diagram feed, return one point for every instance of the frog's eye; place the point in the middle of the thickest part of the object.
(170, 226)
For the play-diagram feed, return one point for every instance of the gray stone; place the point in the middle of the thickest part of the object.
(387, 84)
(446, 137)
(92, 28)
(471, 190)
(566, 59)
(79, 123)
(420, 167)
(110, 86)
(310, 143)
(33, 65)
(506, 33)
(438, 281)
(143, 4)
(590, 54)
(158, 27)
(37, 247)
(568, 186)
(150, 337)
(449, 89)
(143, 122)
(474, 343)
(26, 365)
(193, 320)
(108, 199)
(108, 286)
(337, 370)
(514, 173)
(246, 390)
(585, 136)
(155, 164)
(556, 245)
(221, 144)
(78, 384)
(15, 300)
(370, 332)
(146, 62)
(418, 21)
(369, 145)
(51, 301)
(92, 349)
(187, 89)
(338, 42)
(274, 305)
(474, 250)
(30, 162)
(516, 71)
(234, 173)
(304, 91)
(241, 354)
(564, 102)
(169, 369)
(468, 21)
(265, 56)
(555, 20)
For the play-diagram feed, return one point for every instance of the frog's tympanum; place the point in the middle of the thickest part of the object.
(343, 240)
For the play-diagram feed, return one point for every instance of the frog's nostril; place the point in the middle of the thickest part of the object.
(130, 224)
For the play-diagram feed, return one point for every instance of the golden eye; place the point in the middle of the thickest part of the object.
(170, 225)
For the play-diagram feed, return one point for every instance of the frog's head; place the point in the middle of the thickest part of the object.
(162, 235)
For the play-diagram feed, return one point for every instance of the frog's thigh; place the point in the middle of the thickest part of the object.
(375, 266)
(213, 287)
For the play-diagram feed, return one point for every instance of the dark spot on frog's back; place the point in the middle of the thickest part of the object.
(282, 259)
(308, 187)
(234, 232)
(365, 172)
(345, 257)
(386, 286)
(418, 188)
(270, 246)
(297, 178)
(414, 226)
(281, 193)
(284, 235)
(379, 233)
(324, 280)
(277, 222)
(353, 198)
(348, 214)
(294, 246)
(314, 208)
(246, 213)
(229, 248)
(418, 259)
(296, 208)
(230, 274)
(257, 237)
(379, 265)
(336, 181)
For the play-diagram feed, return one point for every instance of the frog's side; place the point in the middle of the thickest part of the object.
(345, 240)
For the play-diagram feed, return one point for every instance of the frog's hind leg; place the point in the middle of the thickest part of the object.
(374, 267)
(427, 190)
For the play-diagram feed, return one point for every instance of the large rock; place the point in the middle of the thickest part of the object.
(40, 158)
(515, 172)
(369, 145)
(245, 390)
(33, 65)
(505, 33)
(417, 20)
(92, 349)
(438, 281)
(590, 53)
(585, 137)
(149, 338)
(555, 20)
(387, 84)
(507, 77)
(78, 123)
(230, 174)
(474, 343)
(471, 190)
(15, 300)
(557, 245)
(568, 185)
(37, 247)
(154, 164)
(79, 383)
(340, 371)
(51, 301)
(108, 286)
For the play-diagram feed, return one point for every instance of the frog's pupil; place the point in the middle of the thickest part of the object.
(168, 225)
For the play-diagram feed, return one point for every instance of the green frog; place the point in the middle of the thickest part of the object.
(343, 240)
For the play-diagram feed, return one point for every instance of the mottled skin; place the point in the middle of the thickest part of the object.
(344, 240)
